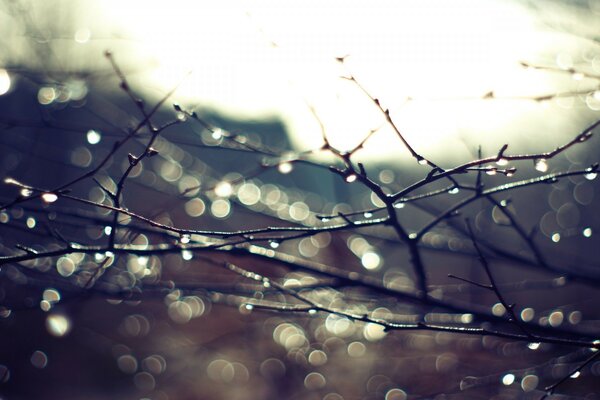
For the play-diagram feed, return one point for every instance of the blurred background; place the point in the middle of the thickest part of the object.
(268, 76)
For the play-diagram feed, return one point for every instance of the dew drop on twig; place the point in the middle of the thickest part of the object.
(540, 164)
(49, 197)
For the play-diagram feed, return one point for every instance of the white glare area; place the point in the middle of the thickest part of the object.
(4, 81)
(430, 60)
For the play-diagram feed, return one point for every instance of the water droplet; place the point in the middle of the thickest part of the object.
(508, 379)
(217, 134)
(187, 255)
(555, 237)
(540, 164)
(399, 205)
(534, 346)
(325, 219)
(454, 190)
(412, 236)
(107, 230)
(351, 178)
(312, 311)
(93, 137)
(249, 307)
(367, 214)
(491, 171)
(184, 239)
(274, 244)
(591, 176)
(285, 167)
(4, 81)
(502, 161)
(223, 189)
(266, 284)
(422, 161)
(587, 232)
(575, 375)
(49, 197)
(26, 192)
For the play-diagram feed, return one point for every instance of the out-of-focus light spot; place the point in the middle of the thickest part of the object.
(533, 346)
(541, 165)
(370, 260)
(223, 189)
(317, 357)
(30, 222)
(285, 167)
(314, 381)
(527, 314)
(508, 379)
(220, 370)
(46, 95)
(556, 318)
(195, 207)
(65, 266)
(396, 394)
(93, 137)
(180, 312)
(386, 176)
(49, 197)
(81, 157)
(155, 364)
(51, 295)
(356, 349)
(58, 325)
(4, 81)
(498, 310)
(466, 318)
(299, 211)
(529, 383)
(574, 317)
(587, 232)
(127, 363)
(272, 368)
(39, 359)
(220, 208)
(4, 373)
(249, 194)
(374, 332)
(83, 35)
(144, 381)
